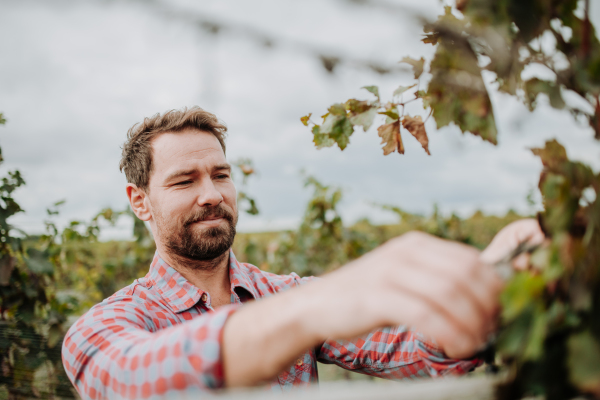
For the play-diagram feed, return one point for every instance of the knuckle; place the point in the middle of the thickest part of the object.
(471, 268)
(448, 289)
(413, 237)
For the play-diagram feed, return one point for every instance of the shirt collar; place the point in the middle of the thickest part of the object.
(239, 276)
(180, 294)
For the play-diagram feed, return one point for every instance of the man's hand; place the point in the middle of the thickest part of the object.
(515, 233)
(443, 289)
(438, 287)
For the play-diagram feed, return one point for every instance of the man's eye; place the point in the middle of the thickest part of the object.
(182, 183)
(222, 176)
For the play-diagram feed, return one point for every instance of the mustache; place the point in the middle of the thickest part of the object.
(206, 213)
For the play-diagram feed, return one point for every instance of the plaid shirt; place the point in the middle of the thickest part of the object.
(160, 336)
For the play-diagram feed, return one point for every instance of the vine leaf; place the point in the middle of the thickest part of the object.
(421, 94)
(553, 154)
(393, 114)
(7, 264)
(337, 126)
(417, 65)
(416, 127)
(321, 140)
(364, 119)
(584, 364)
(535, 86)
(457, 92)
(372, 89)
(390, 138)
(305, 119)
(403, 89)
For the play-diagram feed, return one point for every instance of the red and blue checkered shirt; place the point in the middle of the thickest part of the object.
(160, 336)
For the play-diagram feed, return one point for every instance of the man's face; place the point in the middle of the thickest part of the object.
(192, 196)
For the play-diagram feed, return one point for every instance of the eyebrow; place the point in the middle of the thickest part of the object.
(222, 166)
(186, 172)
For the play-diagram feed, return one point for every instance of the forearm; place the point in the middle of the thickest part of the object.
(264, 337)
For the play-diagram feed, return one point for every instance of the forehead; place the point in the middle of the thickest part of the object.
(189, 148)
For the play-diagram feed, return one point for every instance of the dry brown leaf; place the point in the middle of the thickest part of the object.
(390, 138)
(416, 127)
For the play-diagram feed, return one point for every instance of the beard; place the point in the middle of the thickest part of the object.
(200, 245)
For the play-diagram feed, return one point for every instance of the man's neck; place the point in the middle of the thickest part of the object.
(211, 276)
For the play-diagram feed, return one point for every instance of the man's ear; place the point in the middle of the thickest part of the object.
(139, 201)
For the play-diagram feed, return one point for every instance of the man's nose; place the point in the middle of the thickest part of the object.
(209, 196)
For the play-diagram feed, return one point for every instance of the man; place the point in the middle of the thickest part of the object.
(190, 325)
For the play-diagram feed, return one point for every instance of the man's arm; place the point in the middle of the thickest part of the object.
(440, 288)
(394, 353)
(117, 350)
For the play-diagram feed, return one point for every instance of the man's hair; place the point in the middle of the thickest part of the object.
(136, 158)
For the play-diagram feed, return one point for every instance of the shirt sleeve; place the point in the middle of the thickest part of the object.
(115, 352)
(393, 353)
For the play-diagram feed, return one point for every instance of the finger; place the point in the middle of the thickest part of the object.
(509, 238)
(417, 313)
(521, 262)
(446, 298)
(460, 264)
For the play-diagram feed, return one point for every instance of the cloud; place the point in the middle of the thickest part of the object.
(76, 75)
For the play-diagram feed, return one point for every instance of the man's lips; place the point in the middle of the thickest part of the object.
(211, 221)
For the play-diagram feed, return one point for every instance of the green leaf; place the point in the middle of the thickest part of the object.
(55, 335)
(7, 264)
(341, 133)
(562, 185)
(337, 126)
(252, 209)
(457, 93)
(358, 106)
(361, 113)
(512, 338)
(372, 89)
(402, 89)
(522, 290)
(331, 122)
(321, 139)
(553, 154)
(390, 113)
(2, 119)
(533, 87)
(364, 119)
(421, 94)
(38, 262)
(337, 109)
(584, 362)
(417, 65)
(305, 119)
(537, 334)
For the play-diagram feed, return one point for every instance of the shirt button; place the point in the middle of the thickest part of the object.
(299, 362)
(204, 297)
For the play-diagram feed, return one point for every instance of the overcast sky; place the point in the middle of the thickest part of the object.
(75, 75)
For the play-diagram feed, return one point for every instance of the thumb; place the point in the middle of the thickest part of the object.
(509, 238)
